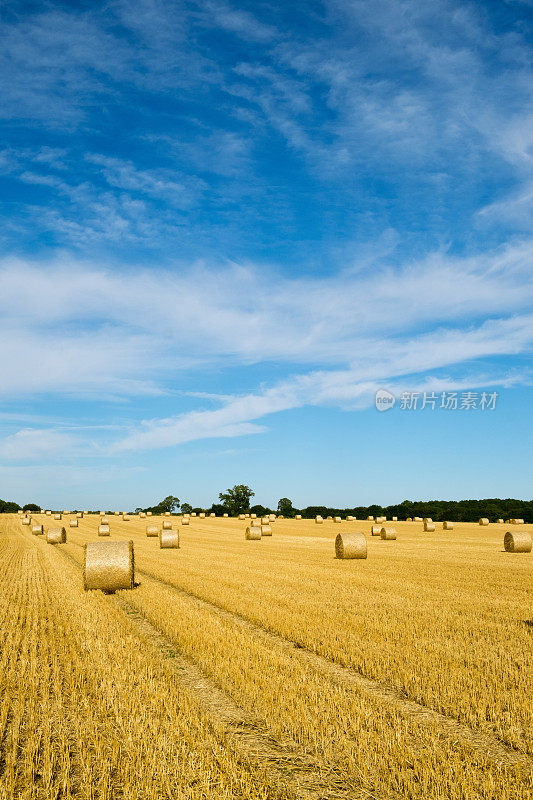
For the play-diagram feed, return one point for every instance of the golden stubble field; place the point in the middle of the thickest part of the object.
(268, 669)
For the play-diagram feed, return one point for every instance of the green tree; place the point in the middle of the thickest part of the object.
(31, 507)
(186, 508)
(285, 507)
(170, 503)
(237, 500)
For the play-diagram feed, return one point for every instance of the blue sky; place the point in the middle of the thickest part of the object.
(225, 226)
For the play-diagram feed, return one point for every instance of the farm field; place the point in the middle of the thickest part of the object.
(267, 669)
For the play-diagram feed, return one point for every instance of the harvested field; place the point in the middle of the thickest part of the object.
(346, 683)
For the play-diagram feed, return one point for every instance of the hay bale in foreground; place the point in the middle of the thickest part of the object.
(253, 533)
(517, 542)
(319, 520)
(108, 566)
(37, 530)
(429, 526)
(56, 536)
(350, 545)
(169, 539)
(167, 525)
(337, 519)
(152, 530)
(375, 530)
(388, 534)
(266, 530)
(73, 522)
(447, 526)
(103, 530)
(26, 520)
(483, 521)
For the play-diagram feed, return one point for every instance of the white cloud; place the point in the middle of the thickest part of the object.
(31, 444)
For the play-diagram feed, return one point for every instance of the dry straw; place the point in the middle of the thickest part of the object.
(104, 520)
(319, 520)
(429, 526)
(185, 521)
(517, 542)
(272, 517)
(57, 516)
(349, 518)
(80, 515)
(516, 521)
(266, 530)
(56, 536)
(427, 519)
(350, 545)
(73, 522)
(169, 539)
(108, 566)
(375, 530)
(447, 526)
(337, 519)
(242, 516)
(253, 532)
(142, 514)
(126, 518)
(255, 522)
(167, 525)
(265, 520)
(103, 530)
(253, 516)
(152, 530)
(25, 520)
(37, 530)
(381, 519)
(388, 534)
(483, 521)
(370, 519)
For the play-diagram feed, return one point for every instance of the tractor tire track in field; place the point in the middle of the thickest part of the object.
(285, 765)
(482, 745)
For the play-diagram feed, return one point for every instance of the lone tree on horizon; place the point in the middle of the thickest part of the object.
(237, 500)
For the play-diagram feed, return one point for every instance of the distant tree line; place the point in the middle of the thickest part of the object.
(237, 501)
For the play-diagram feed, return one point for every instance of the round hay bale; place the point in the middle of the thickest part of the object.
(255, 522)
(167, 513)
(185, 521)
(518, 522)
(57, 516)
(253, 516)
(337, 519)
(126, 518)
(349, 518)
(242, 516)
(375, 530)
(429, 526)
(298, 516)
(20, 511)
(116, 513)
(381, 519)
(329, 517)
(152, 530)
(266, 530)
(167, 525)
(388, 534)
(142, 514)
(225, 515)
(108, 566)
(319, 520)
(148, 513)
(370, 519)
(350, 545)
(483, 521)
(193, 513)
(500, 522)
(253, 532)
(26, 520)
(56, 535)
(447, 526)
(427, 519)
(169, 539)
(517, 542)
(272, 517)
(103, 530)
(73, 523)
(265, 520)
(394, 519)
(80, 515)
(37, 530)
(409, 519)
(48, 513)
(417, 519)
(104, 520)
